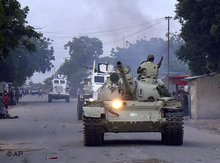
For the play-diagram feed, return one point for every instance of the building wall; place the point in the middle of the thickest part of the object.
(207, 103)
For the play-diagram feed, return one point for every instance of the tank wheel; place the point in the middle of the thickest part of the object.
(68, 99)
(79, 110)
(172, 133)
(49, 98)
(93, 132)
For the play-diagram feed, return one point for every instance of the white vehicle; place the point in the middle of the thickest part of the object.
(60, 89)
(91, 84)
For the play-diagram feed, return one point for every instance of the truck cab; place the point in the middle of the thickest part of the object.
(91, 84)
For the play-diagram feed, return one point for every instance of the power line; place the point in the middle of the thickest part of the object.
(132, 34)
(112, 30)
(168, 50)
(108, 43)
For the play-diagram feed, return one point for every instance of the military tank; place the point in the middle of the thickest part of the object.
(126, 104)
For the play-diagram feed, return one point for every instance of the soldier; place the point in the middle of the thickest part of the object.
(148, 68)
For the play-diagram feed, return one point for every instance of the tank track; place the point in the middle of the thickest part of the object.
(172, 133)
(49, 98)
(93, 132)
(79, 110)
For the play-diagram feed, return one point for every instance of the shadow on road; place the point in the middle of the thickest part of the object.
(131, 142)
(43, 100)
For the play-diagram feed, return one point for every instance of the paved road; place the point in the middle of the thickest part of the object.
(50, 129)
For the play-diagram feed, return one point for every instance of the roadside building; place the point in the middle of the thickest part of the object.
(175, 82)
(204, 96)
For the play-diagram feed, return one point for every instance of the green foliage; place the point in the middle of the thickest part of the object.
(83, 51)
(32, 85)
(13, 29)
(47, 83)
(22, 63)
(200, 31)
(136, 53)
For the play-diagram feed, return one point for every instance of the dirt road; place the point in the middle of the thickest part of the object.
(50, 129)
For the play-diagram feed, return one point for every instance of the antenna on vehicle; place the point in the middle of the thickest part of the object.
(93, 70)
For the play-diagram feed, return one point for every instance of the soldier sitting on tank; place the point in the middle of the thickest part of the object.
(149, 69)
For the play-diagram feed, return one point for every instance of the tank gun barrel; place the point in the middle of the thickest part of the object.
(128, 89)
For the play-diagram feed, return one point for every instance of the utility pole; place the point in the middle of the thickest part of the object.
(123, 41)
(168, 51)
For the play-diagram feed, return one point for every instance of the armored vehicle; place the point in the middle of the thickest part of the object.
(60, 89)
(35, 91)
(126, 104)
(91, 84)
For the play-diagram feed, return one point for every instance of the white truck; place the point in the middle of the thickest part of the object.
(60, 89)
(91, 84)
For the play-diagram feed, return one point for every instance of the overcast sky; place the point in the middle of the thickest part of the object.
(108, 20)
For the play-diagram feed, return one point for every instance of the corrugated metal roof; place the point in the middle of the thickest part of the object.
(200, 76)
(175, 76)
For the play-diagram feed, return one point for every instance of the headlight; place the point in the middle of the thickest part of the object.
(91, 100)
(117, 104)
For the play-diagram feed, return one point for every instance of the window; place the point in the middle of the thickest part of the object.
(62, 81)
(99, 79)
(56, 81)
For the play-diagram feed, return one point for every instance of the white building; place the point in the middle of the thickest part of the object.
(204, 96)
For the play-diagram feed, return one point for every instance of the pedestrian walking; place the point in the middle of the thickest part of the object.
(20, 93)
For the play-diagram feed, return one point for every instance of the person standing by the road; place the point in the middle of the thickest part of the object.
(40, 92)
(185, 103)
(3, 113)
(16, 95)
(6, 98)
(11, 94)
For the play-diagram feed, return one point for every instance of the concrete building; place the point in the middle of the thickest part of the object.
(204, 96)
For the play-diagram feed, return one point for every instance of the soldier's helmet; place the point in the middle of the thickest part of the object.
(150, 57)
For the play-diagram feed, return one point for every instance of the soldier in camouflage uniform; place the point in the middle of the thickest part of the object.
(145, 72)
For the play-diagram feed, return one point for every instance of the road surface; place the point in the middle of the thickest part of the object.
(51, 129)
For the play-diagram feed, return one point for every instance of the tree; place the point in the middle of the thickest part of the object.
(14, 30)
(48, 83)
(19, 66)
(82, 51)
(137, 52)
(85, 49)
(23, 51)
(201, 34)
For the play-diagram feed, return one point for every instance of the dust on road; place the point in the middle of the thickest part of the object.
(51, 129)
